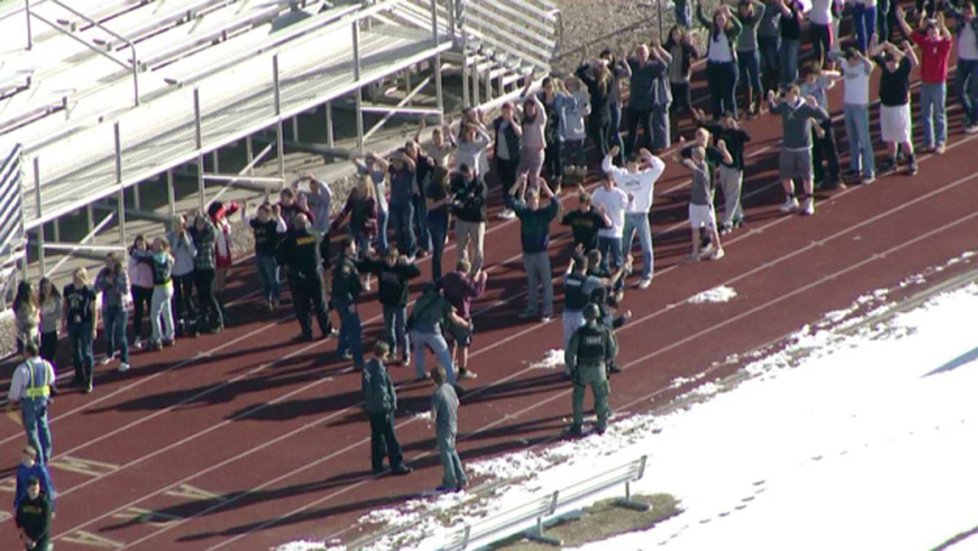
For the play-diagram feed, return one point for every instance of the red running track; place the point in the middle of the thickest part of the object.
(246, 440)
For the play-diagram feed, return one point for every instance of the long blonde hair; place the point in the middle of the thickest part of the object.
(81, 274)
(366, 190)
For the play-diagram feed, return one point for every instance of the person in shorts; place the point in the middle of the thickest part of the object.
(896, 125)
(795, 162)
(701, 213)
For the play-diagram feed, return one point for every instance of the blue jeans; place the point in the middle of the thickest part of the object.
(115, 319)
(395, 332)
(684, 13)
(268, 274)
(34, 415)
(967, 88)
(402, 216)
(749, 65)
(380, 242)
(638, 222)
(860, 144)
(351, 336)
(80, 338)
(934, 110)
(614, 130)
(450, 461)
(789, 61)
(610, 248)
(864, 19)
(439, 347)
(438, 228)
(421, 223)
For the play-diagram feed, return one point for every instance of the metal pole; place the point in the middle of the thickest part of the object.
(295, 128)
(136, 200)
(90, 217)
(215, 161)
(121, 200)
(40, 228)
(356, 78)
(30, 35)
(201, 200)
(466, 100)
(279, 130)
(56, 226)
(250, 153)
(330, 139)
(439, 97)
(171, 199)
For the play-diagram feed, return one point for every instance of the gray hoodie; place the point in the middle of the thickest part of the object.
(796, 122)
(183, 250)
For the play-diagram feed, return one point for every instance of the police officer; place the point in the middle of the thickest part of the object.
(31, 387)
(300, 252)
(590, 350)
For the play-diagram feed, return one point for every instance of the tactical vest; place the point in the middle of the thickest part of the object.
(38, 386)
(574, 296)
(592, 345)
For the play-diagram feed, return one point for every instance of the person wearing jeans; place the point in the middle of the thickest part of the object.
(611, 200)
(864, 19)
(345, 291)
(638, 186)
(966, 84)
(769, 43)
(161, 312)
(30, 386)
(444, 406)
(856, 68)
(267, 227)
(791, 16)
(141, 278)
(506, 152)
(430, 312)
(394, 273)
(113, 282)
(438, 204)
(934, 40)
(721, 55)
(751, 13)
(184, 251)
(203, 234)
(642, 71)
(469, 198)
(535, 239)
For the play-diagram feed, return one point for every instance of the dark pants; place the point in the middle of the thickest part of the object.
(966, 85)
(598, 126)
(749, 67)
(210, 310)
(438, 226)
(184, 311)
(723, 86)
(768, 47)
(402, 217)
(614, 130)
(142, 297)
(825, 150)
(49, 346)
(551, 162)
(305, 291)
(822, 41)
(80, 337)
(638, 117)
(351, 336)
(682, 99)
(505, 173)
(383, 442)
(421, 229)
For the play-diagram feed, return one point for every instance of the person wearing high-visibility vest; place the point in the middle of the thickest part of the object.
(31, 388)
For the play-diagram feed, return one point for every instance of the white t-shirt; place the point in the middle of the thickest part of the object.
(614, 201)
(640, 184)
(967, 44)
(821, 12)
(857, 82)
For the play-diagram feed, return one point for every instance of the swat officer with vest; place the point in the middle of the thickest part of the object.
(31, 387)
(591, 349)
(299, 251)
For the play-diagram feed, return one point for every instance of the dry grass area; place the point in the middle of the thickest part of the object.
(600, 521)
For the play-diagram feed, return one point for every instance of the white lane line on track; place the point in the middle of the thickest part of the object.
(536, 326)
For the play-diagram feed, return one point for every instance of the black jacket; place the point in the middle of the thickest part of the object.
(469, 204)
(393, 288)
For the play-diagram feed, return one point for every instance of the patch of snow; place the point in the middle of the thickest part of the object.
(552, 360)
(716, 294)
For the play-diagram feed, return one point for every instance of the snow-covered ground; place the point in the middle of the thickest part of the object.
(852, 436)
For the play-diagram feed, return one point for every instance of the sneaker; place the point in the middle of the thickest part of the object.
(912, 169)
(644, 284)
(867, 180)
(465, 374)
(401, 470)
(507, 214)
(156, 346)
(789, 205)
(106, 360)
(546, 318)
(707, 251)
(809, 208)
(614, 368)
(123, 367)
(576, 430)
(88, 388)
(527, 314)
(971, 129)
(345, 355)
(169, 342)
(940, 149)
(138, 343)
(445, 489)
(717, 255)
(726, 229)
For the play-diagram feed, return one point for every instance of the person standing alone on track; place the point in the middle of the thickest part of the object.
(590, 350)
(30, 387)
(444, 406)
(380, 401)
(33, 518)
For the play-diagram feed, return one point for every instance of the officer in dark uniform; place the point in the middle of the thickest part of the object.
(588, 354)
(346, 290)
(300, 252)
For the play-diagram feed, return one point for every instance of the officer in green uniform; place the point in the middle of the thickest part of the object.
(591, 349)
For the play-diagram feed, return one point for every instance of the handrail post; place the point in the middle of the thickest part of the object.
(118, 181)
(434, 21)
(279, 129)
(40, 228)
(30, 34)
(199, 137)
(356, 77)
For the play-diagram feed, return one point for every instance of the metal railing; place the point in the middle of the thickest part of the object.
(134, 65)
(531, 517)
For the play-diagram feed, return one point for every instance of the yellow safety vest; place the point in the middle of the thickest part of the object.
(38, 391)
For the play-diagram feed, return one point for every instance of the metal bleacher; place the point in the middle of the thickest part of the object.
(91, 134)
